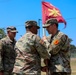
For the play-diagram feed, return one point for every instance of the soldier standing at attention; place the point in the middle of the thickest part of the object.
(58, 46)
(7, 52)
(30, 49)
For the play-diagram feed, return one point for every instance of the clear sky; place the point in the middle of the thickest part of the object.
(16, 12)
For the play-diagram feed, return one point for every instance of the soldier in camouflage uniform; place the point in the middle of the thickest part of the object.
(29, 51)
(7, 52)
(58, 46)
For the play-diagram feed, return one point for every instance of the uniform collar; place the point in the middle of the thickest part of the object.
(10, 39)
(55, 33)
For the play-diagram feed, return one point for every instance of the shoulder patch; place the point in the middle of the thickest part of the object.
(56, 42)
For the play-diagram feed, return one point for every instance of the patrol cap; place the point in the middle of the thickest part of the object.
(12, 29)
(50, 22)
(31, 23)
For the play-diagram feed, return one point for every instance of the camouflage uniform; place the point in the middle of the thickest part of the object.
(60, 54)
(7, 55)
(1, 65)
(30, 50)
(58, 47)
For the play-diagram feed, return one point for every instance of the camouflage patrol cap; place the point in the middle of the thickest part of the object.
(12, 29)
(50, 22)
(31, 23)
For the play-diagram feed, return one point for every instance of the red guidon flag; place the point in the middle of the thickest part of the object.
(50, 11)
